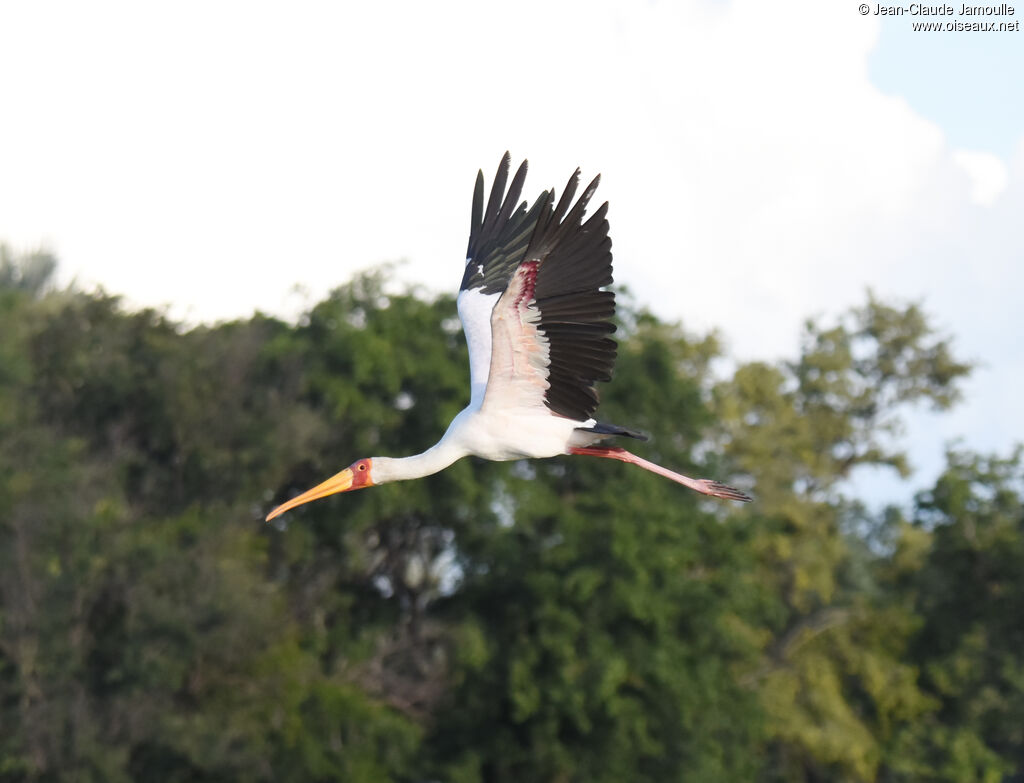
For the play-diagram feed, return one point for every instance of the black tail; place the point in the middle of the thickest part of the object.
(604, 428)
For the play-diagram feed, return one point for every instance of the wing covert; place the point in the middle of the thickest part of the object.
(550, 327)
(499, 234)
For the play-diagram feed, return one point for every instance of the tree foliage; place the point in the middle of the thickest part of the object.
(557, 620)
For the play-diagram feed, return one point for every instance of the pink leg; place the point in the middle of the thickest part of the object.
(704, 486)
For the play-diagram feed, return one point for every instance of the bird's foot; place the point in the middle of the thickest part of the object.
(719, 490)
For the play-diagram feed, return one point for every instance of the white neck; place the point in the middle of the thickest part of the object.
(433, 460)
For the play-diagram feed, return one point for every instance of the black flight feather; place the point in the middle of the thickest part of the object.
(500, 232)
(574, 265)
(575, 314)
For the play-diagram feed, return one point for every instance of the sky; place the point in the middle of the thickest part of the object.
(764, 163)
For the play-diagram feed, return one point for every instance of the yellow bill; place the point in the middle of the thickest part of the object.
(341, 482)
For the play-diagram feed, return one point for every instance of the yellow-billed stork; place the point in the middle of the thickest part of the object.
(537, 321)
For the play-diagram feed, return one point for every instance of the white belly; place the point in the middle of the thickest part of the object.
(515, 433)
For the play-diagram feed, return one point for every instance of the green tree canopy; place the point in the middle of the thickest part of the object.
(555, 620)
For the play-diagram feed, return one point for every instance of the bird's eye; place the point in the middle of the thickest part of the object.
(362, 466)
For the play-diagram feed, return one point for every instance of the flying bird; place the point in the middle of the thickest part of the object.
(537, 320)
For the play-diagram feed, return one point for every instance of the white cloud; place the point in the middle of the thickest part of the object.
(988, 174)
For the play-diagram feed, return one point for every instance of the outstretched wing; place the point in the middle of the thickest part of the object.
(498, 238)
(549, 329)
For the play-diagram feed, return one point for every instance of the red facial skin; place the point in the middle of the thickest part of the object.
(361, 471)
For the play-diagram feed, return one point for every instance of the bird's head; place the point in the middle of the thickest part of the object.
(356, 476)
